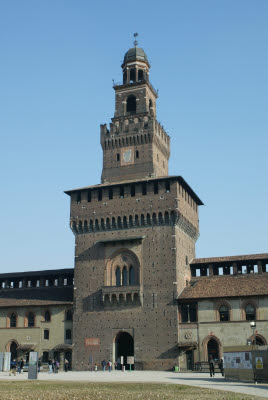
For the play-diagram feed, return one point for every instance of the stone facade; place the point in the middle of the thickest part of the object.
(134, 236)
(36, 314)
(224, 295)
(138, 290)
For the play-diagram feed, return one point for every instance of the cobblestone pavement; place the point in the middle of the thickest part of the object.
(191, 379)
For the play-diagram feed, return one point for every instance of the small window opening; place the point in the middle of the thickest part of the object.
(150, 103)
(140, 75)
(132, 190)
(46, 334)
(137, 154)
(117, 157)
(167, 186)
(78, 198)
(111, 194)
(99, 195)
(131, 104)
(122, 192)
(89, 196)
(155, 187)
(224, 313)
(47, 316)
(68, 334)
(132, 76)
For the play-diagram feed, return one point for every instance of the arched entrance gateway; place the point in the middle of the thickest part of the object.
(213, 349)
(124, 347)
(14, 350)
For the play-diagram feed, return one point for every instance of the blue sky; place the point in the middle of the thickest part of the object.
(209, 61)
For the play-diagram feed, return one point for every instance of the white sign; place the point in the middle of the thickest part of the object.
(238, 360)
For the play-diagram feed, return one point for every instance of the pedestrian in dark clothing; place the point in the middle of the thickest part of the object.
(221, 366)
(66, 365)
(103, 364)
(211, 365)
(13, 367)
(21, 365)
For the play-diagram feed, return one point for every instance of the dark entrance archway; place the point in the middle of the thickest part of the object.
(124, 347)
(213, 349)
(14, 350)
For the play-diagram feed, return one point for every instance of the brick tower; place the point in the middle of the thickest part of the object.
(135, 235)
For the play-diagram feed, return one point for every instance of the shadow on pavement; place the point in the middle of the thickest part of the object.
(224, 381)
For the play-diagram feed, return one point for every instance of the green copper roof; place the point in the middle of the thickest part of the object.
(135, 53)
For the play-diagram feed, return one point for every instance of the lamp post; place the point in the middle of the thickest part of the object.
(253, 326)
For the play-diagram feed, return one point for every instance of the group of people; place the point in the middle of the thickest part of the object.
(16, 366)
(109, 364)
(53, 366)
(212, 366)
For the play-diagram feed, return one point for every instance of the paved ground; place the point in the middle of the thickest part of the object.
(192, 379)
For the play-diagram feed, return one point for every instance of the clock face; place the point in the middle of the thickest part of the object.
(127, 156)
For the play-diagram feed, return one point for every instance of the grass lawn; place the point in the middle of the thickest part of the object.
(13, 390)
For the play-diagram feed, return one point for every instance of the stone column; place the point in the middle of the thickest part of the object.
(234, 268)
(128, 74)
(260, 267)
(210, 268)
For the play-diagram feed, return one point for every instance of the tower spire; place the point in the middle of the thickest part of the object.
(135, 40)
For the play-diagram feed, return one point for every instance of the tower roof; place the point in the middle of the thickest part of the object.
(135, 54)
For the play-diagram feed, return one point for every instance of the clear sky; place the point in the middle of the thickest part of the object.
(209, 61)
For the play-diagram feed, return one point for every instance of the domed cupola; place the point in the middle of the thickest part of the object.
(136, 65)
(135, 54)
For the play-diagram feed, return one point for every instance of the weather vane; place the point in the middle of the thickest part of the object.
(135, 41)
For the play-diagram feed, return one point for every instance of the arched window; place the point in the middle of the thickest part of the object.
(140, 75)
(69, 315)
(131, 104)
(13, 320)
(47, 316)
(31, 319)
(137, 154)
(250, 312)
(124, 276)
(131, 276)
(132, 76)
(224, 313)
(118, 276)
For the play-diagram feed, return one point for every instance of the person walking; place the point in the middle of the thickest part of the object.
(211, 365)
(13, 367)
(66, 365)
(103, 364)
(110, 365)
(115, 365)
(50, 366)
(21, 365)
(221, 366)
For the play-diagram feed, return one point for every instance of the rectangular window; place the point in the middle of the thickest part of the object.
(122, 192)
(89, 196)
(189, 312)
(156, 188)
(46, 334)
(117, 157)
(99, 195)
(132, 189)
(167, 186)
(111, 195)
(68, 334)
(78, 197)
(144, 189)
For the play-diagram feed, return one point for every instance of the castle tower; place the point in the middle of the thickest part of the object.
(135, 145)
(135, 236)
